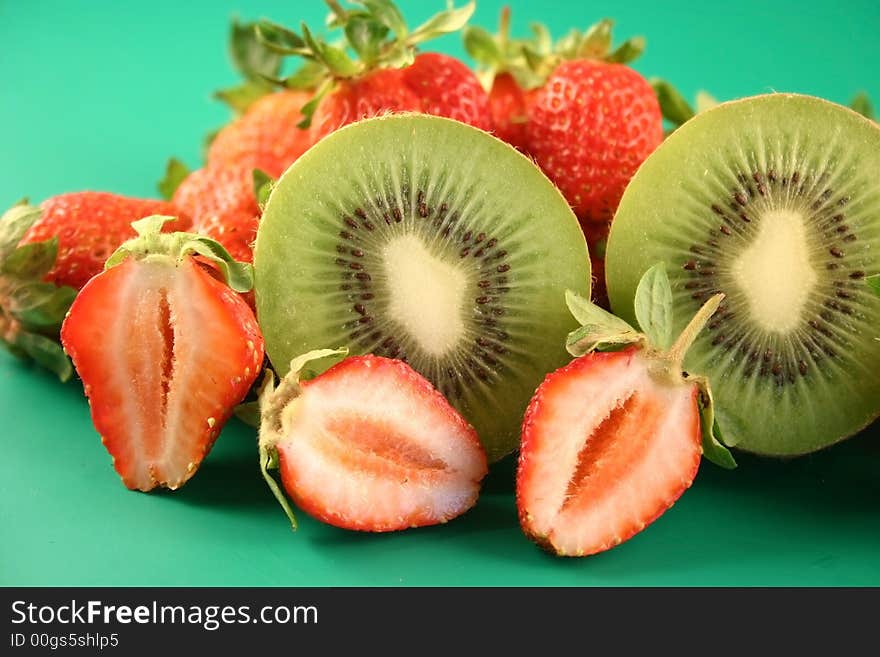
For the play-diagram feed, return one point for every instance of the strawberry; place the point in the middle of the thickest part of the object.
(31, 309)
(585, 117)
(610, 441)
(369, 445)
(223, 206)
(388, 75)
(509, 105)
(506, 74)
(89, 227)
(265, 137)
(164, 350)
(589, 127)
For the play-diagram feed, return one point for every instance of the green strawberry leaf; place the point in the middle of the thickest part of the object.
(543, 42)
(628, 51)
(714, 448)
(242, 96)
(250, 56)
(41, 306)
(589, 314)
(445, 22)
(653, 306)
(874, 283)
(308, 110)
(365, 36)
(861, 103)
(175, 172)
(673, 106)
(45, 352)
(705, 101)
(590, 338)
(482, 46)
(31, 261)
(239, 276)
(263, 184)
(599, 331)
(335, 59)
(596, 42)
(272, 402)
(14, 223)
(269, 435)
(306, 77)
(387, 13)
(279, 40)
(298, 364)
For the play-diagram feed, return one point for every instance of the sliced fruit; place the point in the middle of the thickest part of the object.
(610, 441)
(370, 445)
(424, 239)
(165, 351)
(773, 201)
(607, 448)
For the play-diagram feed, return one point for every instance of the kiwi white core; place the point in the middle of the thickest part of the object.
(775, 272)
(428, 294)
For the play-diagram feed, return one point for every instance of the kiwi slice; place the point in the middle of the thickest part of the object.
(774, 201)
(424, 239)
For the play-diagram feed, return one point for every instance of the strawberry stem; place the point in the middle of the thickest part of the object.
(689, 334)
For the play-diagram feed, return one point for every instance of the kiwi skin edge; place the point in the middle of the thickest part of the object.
(682, 207)
(317, 213)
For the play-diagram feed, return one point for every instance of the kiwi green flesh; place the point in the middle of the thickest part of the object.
(774, 201)
(423, 239)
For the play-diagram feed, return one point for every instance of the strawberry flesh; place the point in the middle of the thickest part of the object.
(607, 447)
(370, 445)
(165, 352)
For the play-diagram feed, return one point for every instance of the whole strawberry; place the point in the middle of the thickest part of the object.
(509, 103)
(164, 350)
(507, 74)
(589, 128)
(89, 227)
(577, 108)
(223, 205)
(266, 137)
(387, 76)
(611, 440)
(593, 122)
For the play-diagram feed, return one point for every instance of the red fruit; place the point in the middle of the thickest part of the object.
(446, 87)
(165, 352)
(371, 445)
(265, 137)
(508, 103)
(377, 93)
(432, 84)
(608, 445)
(223, 206)
(589, 128)
(89, 227)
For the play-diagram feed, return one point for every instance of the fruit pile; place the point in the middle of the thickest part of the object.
(400, 269)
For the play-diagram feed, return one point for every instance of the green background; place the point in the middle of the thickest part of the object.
(96, 95)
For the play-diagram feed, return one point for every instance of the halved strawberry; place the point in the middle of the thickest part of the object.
(370, 445)
(165, 351)
(606, 448)
(610, 441)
